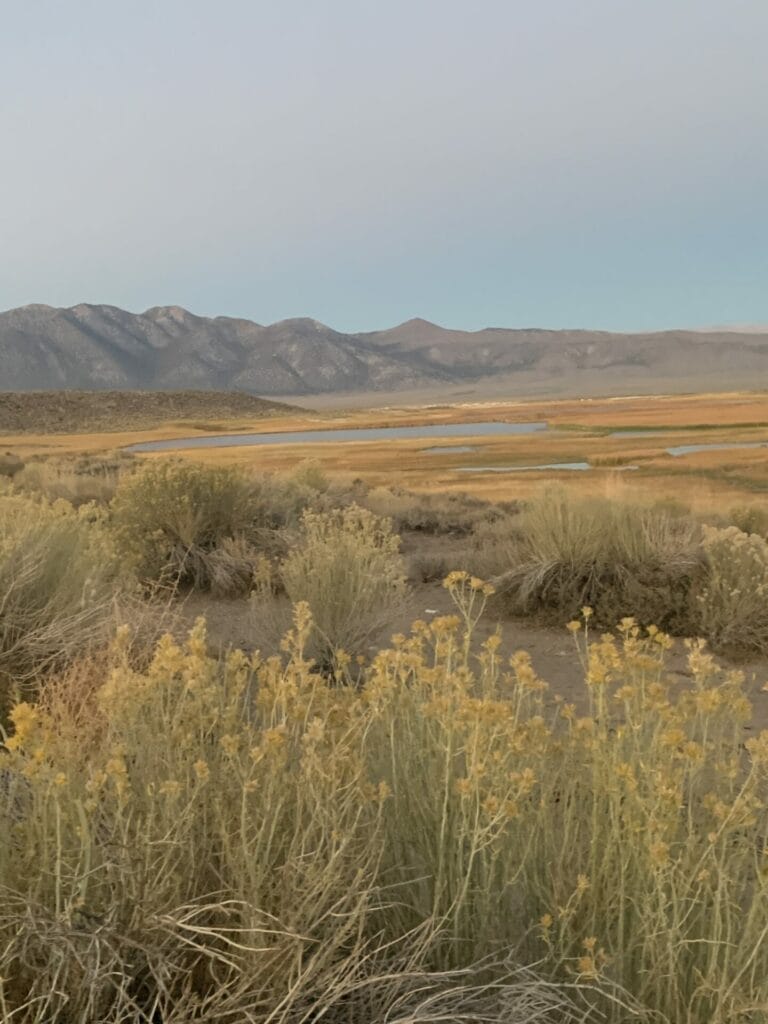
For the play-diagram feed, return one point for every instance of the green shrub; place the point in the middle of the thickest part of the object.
(183, 523)
(345, 564)
(732, 603)
(619, 559)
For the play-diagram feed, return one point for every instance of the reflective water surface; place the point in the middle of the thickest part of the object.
(428, 430)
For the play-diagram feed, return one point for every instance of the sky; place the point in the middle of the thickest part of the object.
(553, 163)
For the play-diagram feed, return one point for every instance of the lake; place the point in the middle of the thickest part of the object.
(342, 436)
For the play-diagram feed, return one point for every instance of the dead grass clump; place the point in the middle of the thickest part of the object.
(619, 559)
(58, 579)
(179, 523)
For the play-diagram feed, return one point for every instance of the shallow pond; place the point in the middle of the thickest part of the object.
(488, 429)
(689, 449)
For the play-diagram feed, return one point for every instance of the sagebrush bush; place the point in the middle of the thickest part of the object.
(210, 841)
(750, 519)
(180, 522)
(58, 579)
(10, 465)
(426, 513)
(346, 565)
(732, 603)
(567, 552)
(79, 480)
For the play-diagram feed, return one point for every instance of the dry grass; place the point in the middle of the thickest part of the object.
(563, 553)
(58, 582)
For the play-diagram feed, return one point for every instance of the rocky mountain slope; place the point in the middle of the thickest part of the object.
(102, 347)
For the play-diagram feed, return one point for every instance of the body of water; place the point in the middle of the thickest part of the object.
(689, 449)
(488, 429)
(449, 449)
(521, 469)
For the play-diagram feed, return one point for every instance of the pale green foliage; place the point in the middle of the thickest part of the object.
(733, 602)
(346, 565)
(179, 522)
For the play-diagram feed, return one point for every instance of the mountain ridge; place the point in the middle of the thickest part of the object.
(101, 347)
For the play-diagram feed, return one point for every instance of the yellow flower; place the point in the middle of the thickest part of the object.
(229, 744)
(659, 852)
(545, 921)
(202, 771)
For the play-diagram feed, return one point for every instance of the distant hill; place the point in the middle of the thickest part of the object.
(53, 412)
(102, 347)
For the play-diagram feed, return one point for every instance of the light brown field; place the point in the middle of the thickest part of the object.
(580, 430)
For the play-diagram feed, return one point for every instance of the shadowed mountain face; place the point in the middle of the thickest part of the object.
(102, 347)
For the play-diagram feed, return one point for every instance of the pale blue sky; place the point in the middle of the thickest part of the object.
(596, 163)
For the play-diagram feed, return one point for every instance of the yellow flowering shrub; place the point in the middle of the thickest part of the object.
(733, 600)
(238, 839)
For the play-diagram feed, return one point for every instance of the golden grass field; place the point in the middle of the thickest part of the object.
(579, 431)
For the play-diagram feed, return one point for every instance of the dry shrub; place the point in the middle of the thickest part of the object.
(79, 480)
(732, 605)
(235, 840)
(182, 523)
(567, 552)
(750, 519)
(58, 577)
(495, 545)
(10, 464)
(346, 565)
(428, 513)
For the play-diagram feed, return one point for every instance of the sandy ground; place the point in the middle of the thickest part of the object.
(552, 650)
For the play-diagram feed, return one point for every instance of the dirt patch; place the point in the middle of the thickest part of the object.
(552, 650)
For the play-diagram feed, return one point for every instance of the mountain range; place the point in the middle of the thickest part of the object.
(103, 347)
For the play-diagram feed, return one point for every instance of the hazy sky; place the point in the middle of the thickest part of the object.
(495, 162)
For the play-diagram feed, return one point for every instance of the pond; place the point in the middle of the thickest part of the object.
(521, 469)
(428, 430)
(689, 449)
